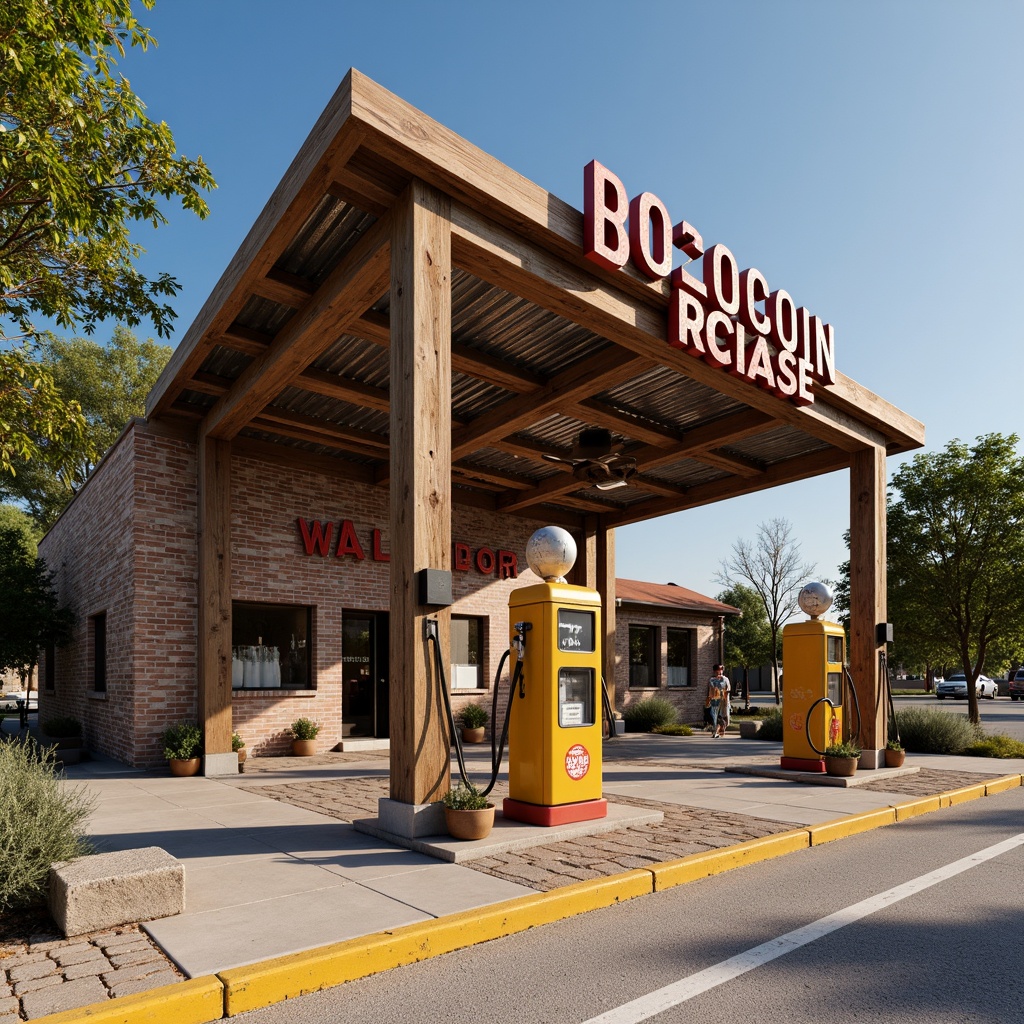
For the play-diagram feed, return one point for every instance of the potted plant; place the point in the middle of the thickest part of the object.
(467, 813)
(183, 748)
(238, 746)
(304, 732)
(841, 759)
(65, 733)
(894, 754)
(473, 718)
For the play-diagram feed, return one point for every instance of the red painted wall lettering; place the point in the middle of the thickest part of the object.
(316, 536)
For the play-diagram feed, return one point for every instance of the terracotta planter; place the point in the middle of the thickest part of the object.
(841, 766)
(474, 735)
(242, 755)
(470, 824)
(303, 748)
(894, 758)
(185, 768)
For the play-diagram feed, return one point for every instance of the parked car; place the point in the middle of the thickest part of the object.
(1017, 685)
(956, 687)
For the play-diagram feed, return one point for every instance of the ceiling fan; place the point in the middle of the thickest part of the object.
(596, 460)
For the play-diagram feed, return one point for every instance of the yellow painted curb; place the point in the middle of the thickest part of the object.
(961, 796)
(850, 826)
(1002, 784)
(196, 1001)
(713, 862)
(249, 988)
(912, 808)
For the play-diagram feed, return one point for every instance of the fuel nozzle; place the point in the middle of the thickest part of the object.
(519, 643)
(519, 640)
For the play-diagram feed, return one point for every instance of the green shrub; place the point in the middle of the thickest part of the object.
(473, 716)
(465, 798)
(930, 731)
(305, 729)
(61, 727)
(771, 726)
(996, 746)
(894, 745)
(646, 715)
(41, 821)
(236, 742)
(183, 741)
(842, 750)
(680, 729)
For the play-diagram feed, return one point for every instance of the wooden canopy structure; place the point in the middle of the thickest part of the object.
(410, 313)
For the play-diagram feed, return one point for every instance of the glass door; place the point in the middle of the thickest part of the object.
(364, 662)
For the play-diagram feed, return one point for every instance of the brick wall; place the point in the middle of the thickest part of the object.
(90, 551)
(688, 700)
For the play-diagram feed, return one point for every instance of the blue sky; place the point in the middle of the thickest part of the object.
(866, 157)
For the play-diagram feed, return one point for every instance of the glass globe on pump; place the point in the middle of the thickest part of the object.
(551, 553)
(815, 599)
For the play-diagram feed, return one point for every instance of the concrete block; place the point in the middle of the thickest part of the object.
(748, 730)
(91, 893)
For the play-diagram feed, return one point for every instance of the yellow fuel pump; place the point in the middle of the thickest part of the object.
(813, 657)
(554, 737)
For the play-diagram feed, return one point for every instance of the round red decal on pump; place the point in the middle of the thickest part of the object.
(577, 761)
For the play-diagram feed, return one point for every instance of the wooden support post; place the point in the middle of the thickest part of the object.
(214, 640)
(867, 597)
(420, 502)
(605, 585)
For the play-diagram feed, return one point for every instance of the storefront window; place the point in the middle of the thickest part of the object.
(270, 646)
(678, 657)
(643, 656)
(467, 642)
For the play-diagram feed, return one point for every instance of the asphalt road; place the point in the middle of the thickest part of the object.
(927, 928)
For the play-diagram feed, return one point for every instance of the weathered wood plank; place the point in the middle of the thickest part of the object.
(420, 485)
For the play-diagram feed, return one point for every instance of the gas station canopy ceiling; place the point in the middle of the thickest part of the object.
(290, 354)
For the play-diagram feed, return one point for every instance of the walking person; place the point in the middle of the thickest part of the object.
(713, 703)
(726, 687)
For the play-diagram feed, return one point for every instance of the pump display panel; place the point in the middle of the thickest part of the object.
(575, 697)
(575, 630)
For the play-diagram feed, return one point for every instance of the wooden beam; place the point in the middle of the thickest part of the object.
(285, 289)
(213, 652)
(868, 597)
(584, 378)
(420, 486)
(243, 339)
(350, 288)
(801, 468)
(375, 445)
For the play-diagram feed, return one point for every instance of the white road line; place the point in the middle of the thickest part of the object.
(686, 988)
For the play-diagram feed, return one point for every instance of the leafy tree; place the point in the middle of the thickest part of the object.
(109, 384)
(79, 163)
(956, 550)
(30, 614)
(748, 639)
(36, 423)
(772, 567)
(12, 518)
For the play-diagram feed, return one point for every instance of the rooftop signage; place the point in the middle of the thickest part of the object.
(778, 346)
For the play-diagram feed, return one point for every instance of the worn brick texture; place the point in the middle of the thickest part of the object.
(127, 546)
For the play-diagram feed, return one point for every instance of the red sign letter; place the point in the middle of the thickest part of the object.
(650, 236)
(462, 557)
(508, 565)
(316, 536)
(348, 542)
(605, 208)
(379, 555)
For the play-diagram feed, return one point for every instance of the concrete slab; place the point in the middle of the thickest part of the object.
(447, 889)
(512, 835)
(821, 778)
(216, 940)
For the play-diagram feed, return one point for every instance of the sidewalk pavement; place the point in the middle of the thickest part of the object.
(274, 865)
